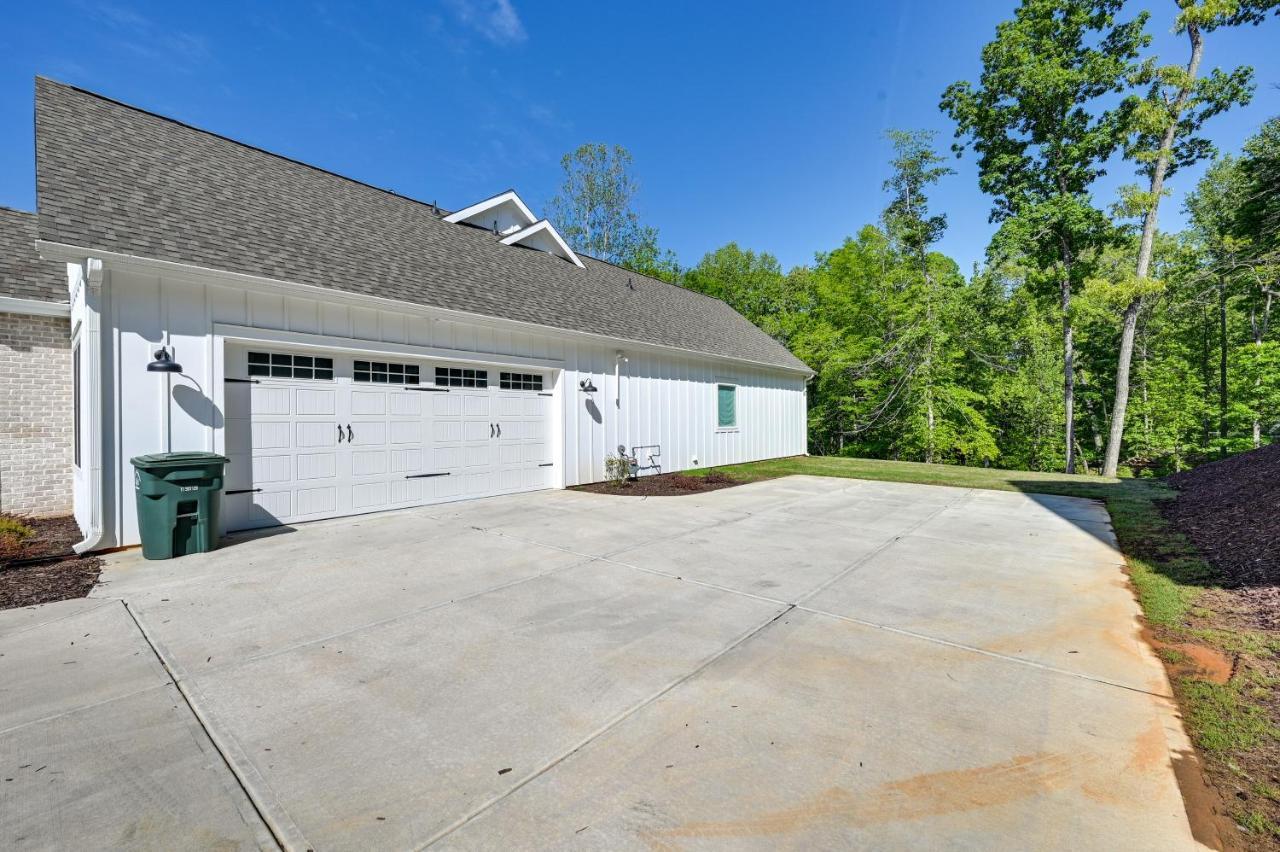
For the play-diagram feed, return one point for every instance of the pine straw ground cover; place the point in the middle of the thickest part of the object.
(1205, 619)
(37, 564)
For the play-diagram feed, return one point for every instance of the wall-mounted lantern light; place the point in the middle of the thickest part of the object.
(163, 363)
(587, 386)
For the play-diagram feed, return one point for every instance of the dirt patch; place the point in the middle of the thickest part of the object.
(663, 485)
(42, 567)
(1188, 659)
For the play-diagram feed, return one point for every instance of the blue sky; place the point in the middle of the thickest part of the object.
(759, 123)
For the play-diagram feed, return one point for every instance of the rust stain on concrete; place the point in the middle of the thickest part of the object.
(920, 796)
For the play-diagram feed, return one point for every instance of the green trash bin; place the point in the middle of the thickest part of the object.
(179, 498)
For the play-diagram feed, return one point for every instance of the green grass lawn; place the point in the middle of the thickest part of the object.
(1227, 720)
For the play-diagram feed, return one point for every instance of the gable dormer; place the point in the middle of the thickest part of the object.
(511, 220)
(504, 213)
(543, 236)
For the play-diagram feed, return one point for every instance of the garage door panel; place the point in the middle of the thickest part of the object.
(271, 469)
(269, 400)
(510, 406)
(406, 431)
(477, 483)
(271, 506)
(475, 430)
(316, 403)
(368, 402)
(535, 453)
(270, 436)
(406, 404)
(475, 406)
(370, 495)
(312, 466)
(368, 433)
(446, 405)
(446, 430)
(409, 491)
(448, 458)
(368, 462)
(510, 454)
(317, 435)
(406, 461)
(317, 501)
(476, 456)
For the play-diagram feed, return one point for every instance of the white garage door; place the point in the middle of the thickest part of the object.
(313, 435)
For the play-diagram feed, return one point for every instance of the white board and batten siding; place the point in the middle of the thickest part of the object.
(662, 398)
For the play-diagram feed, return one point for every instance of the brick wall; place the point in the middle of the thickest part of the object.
(35, 415)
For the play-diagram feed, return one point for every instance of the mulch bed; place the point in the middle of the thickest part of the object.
(42, 567)
(1230, 509)
(663, 485)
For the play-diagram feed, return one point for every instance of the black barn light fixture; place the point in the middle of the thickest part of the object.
(163, 362)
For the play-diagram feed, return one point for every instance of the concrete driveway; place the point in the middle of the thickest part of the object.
(806, 662)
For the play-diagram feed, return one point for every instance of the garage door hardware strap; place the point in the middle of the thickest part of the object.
(427, 390)
(425, 475)
(242, 491)
(242, 381)
(547, 464)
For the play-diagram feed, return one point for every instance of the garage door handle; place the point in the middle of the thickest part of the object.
(339, 433)
(490, 430)
(499, 430)
(350, 434)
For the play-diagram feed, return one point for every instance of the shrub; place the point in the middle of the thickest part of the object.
(617, 470)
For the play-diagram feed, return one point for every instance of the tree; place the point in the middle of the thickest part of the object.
(1039, 145)
(1167, 121)
(593, 210)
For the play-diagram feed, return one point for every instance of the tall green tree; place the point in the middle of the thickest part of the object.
(594, 210)
(1167, 124)
(1042, 141)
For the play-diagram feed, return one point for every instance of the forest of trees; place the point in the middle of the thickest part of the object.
(1089, 340)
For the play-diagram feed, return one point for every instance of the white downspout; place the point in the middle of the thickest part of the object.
(618, 359)
(91, 349)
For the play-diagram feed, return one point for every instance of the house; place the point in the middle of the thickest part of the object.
(35, 375)
(351, 350)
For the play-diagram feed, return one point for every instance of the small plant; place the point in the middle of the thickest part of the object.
(12, 532)
(617, 470)
(11, 527)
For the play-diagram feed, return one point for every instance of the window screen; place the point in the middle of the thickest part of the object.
(279, 365)
(520, 381)
(385, 373)
(726, 406)
(454, 377)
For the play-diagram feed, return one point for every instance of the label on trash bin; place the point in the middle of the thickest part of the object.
(188, 487)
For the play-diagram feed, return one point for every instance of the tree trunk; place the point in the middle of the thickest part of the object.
(1259, 327)
(1068, 372)
(1222, 358)
(1144, 254)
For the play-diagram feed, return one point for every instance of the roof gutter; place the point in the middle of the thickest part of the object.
(91, 347)
(203, 274)
(33, 307)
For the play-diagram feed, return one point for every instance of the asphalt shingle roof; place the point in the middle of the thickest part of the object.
(116, 178)
(23, 275)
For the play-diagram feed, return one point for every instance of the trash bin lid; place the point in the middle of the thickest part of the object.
(176, 459)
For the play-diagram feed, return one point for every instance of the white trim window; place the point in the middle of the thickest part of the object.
(726, 406)
(286, 365)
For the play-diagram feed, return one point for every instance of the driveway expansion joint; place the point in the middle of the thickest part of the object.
(282, 828)
(607, 727)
